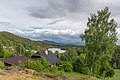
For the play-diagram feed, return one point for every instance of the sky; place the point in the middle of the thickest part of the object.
(55, 20)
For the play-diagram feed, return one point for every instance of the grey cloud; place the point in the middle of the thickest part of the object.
(53, 14)
(49, 34)
(62, 8)
(55, 9)
(36, 27)
(72, 10)
(55, 21)
(6, 25)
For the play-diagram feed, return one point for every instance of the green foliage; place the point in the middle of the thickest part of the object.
(4, 53)
(115, 63)
(107, 72)
(100, 39)
(54, 68)
(80, 65)
(29, 53)
(104, 70)
(20, 50)
(66, 66)
(117, 75)
(34, 65)
(43, 61)
(8, 54)
(1, 65)
(9, 39)
(69, 55)
(39, 65)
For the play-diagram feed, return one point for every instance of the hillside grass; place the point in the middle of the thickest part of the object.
(78, 76)
(117, 75)
(53, 76)
(69, 76)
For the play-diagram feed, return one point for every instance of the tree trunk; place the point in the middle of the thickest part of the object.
(91, 70)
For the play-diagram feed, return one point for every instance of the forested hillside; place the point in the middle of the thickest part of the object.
(9, 39)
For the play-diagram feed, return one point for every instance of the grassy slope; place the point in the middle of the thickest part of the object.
(70, 76)
(22, 75)
(77, 76)
(85, 77)
(117, 75)
(17, 73)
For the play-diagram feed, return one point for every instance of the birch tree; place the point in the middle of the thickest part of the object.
(100, 39)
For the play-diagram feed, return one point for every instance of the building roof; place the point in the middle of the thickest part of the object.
(14, 61)
(51, 58)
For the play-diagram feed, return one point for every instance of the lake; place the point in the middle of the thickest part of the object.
(56, 49)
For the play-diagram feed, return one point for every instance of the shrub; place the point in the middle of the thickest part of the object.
(110, 73)
(66, 66)
(61, 72)
(80, 65)
(1, 65)
(39, 65)
(8, 54)
(54, 69)
(43, 61)
(106, 71)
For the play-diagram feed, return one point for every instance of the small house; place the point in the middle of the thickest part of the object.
(51, 58)
(14, 61)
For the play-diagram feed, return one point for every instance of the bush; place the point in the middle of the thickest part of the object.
(106, 72)
(8, 54)
(43, 61)
(66, 66)
(39, 65)
(61, 72)
(54, 69)
(1, 65)
(80, 65)
(110, 73)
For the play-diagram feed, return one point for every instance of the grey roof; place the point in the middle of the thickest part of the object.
(14, 61)
(51, 58)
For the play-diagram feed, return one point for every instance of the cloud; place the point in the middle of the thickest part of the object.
(52, 16)
(74, 12)
(55, 21)
(62, 8)
(55, 9)
(62, 36)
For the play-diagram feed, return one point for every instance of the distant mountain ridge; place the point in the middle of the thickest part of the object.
(63, 44)
(52, 42)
